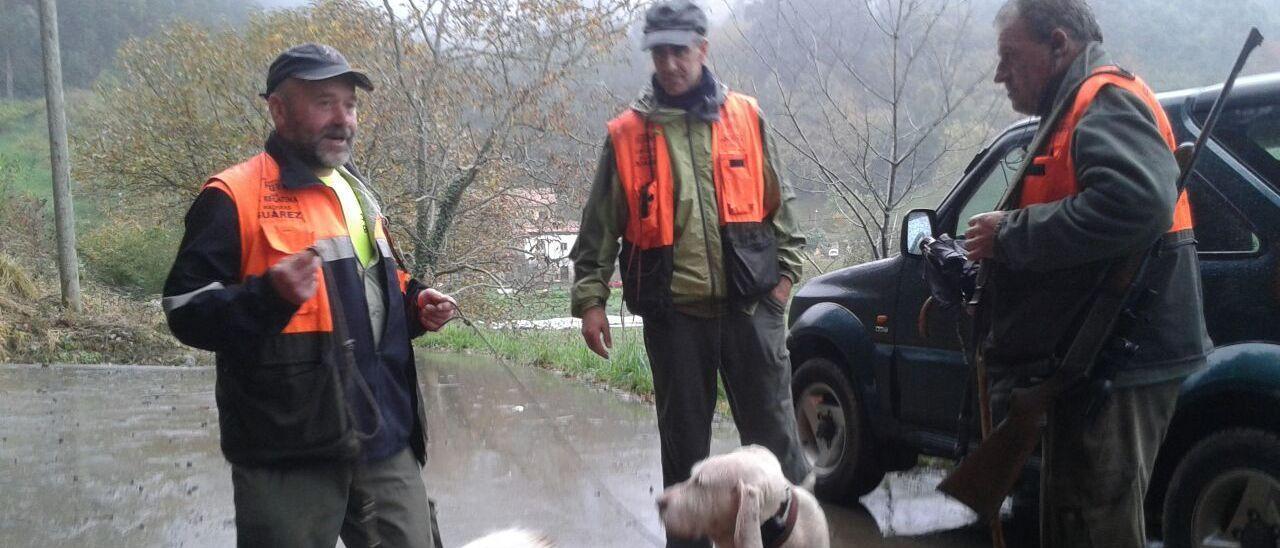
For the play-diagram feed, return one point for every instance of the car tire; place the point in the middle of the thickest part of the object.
(833, 432)
(1219, 492)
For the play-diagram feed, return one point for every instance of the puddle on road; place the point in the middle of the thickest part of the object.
(496, 462)
(128, 456)
(909, 503)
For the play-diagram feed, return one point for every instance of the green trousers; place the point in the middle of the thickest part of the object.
(376, 504)
(1095, 470)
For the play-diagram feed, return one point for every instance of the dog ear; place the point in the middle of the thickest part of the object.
(746, 531)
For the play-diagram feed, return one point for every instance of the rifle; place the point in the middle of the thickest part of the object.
(986, 476)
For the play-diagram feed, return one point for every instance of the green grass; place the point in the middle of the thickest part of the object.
(122, 254)
(627, 368)
(24, 148)
(24, 154)
(560, 350)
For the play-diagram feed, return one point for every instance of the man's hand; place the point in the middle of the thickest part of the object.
(980, 239)
(294, 277)
(782, 291)
(595, 325)
(435, 309)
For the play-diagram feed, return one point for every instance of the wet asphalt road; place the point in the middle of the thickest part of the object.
(128, 456)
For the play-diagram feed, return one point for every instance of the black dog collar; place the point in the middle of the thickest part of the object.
(777, 529)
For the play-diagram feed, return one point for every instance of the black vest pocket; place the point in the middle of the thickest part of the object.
(750, 259)
(646, 278)
(289, 405)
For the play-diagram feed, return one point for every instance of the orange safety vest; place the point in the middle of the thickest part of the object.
(644, 170)
(289, 396)
(276, 222)
(1052, 176)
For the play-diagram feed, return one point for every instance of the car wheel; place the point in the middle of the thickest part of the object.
(833, 432)
(1226, 493)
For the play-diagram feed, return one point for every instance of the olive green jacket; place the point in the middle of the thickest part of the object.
(698, 283)
(1049, 257)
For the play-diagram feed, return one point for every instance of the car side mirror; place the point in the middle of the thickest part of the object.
(916, 226)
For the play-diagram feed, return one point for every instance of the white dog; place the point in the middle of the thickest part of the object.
(742, 500)
(511, 538)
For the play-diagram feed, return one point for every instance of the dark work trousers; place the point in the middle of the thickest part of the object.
(1095, 471)
(750, 353)
(312, 505)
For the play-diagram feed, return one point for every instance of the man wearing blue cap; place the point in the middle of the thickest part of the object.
(689, 201)
(287, 274)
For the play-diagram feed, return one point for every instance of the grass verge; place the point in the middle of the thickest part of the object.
(558, 350)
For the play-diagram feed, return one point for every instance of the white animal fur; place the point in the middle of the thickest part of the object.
(728, 497)
(511, 538)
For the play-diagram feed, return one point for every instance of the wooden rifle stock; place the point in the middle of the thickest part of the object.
(988, 474)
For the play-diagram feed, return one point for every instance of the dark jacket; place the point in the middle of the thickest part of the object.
(1049, 257)
(298, 396)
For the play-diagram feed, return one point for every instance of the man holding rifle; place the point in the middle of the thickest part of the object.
(1101, 187)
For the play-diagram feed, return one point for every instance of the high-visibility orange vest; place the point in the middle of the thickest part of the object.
(290, 397)
(644, 169)
(276, 222)
(1052, 176)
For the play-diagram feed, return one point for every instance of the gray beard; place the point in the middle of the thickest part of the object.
(333, 161)
(310, 155)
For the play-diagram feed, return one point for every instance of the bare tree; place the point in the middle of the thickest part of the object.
(872, 96)
(474, 103)
(488, 85)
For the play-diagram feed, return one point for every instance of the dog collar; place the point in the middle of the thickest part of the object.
(777, 529)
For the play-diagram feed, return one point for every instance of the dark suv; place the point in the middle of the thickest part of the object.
(874, 391)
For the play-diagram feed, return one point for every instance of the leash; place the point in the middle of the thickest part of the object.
(633, 520)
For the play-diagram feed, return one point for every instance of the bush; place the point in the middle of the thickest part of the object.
(129, 256)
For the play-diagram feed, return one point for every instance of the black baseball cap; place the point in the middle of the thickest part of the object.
(312, 61)
(674, 23)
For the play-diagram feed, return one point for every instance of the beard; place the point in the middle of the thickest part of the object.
(318, 151)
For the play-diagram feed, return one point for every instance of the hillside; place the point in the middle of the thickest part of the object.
(116, 326)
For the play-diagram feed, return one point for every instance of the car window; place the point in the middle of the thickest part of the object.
(1252, 134)
(1220, 230)
(992, 188)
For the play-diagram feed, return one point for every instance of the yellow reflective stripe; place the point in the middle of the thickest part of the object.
(354, 215)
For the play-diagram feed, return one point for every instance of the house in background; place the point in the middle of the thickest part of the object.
(544, 240)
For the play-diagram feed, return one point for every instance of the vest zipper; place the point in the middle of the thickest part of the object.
(706, 238)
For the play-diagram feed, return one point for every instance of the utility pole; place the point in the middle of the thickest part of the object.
(59, 156)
